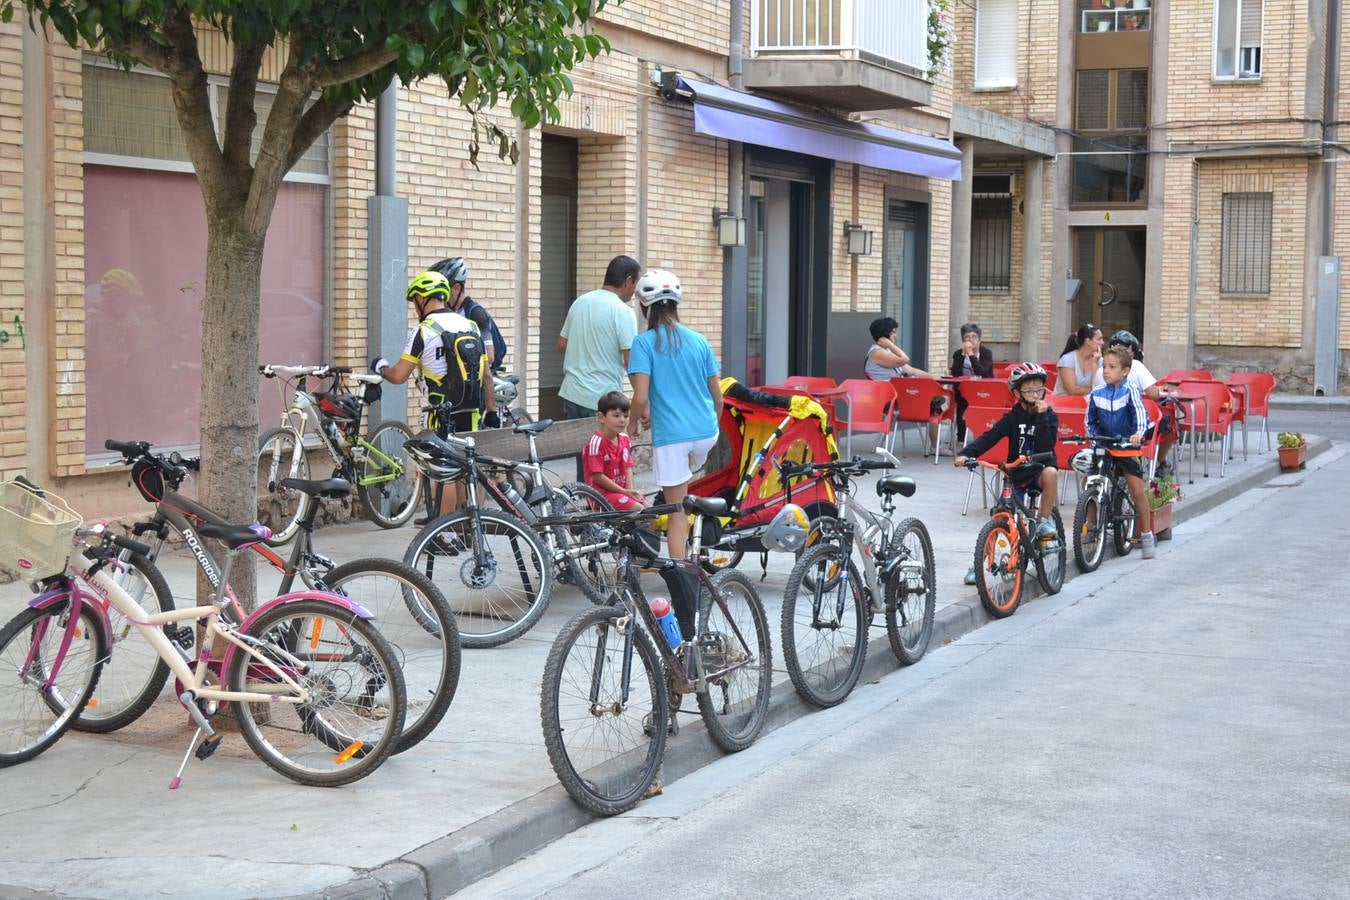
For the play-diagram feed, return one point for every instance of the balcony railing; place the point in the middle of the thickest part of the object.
(889, 32)
(1120, 18)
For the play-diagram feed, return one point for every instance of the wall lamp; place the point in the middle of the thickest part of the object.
(730, 229)
(859, 239)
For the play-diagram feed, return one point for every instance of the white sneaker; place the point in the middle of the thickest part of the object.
(1147, 545)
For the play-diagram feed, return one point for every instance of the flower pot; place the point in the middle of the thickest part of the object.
(1162, 522)
(1103, 24)
(1140, 4)
(1293, 458)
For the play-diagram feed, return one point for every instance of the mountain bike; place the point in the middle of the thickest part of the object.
(376, 463)
(318, 692)
(611, 674)
(410, 611)
(1007, 544)
(828, 606)
(1104, 504)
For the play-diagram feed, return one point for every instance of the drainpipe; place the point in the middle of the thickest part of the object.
(735, 323)
(1329, 92)
(38, 258)
(387, 257)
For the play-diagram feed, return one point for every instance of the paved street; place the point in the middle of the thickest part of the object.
(1177, 728)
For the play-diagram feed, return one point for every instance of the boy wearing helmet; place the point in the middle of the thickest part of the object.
(1116, 410)
(1031, 426)
(675, 389)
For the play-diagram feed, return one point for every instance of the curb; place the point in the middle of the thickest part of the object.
(454, 862)
(1309, 403)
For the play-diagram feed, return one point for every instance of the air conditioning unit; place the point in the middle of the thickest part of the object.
(1249, 62)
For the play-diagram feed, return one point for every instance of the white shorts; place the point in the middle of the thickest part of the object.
(674, 464)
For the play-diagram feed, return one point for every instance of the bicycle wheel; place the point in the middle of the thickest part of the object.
(498, 586)
(1050, 564)
(734, 705)
(388, 484)
(824, 629)
(998, 576)
(356, 694)
(1089, 531)
(429, 657)
(716, 560)
(280, 456)
(605, 742)
(33, 716)
(1123, 522)
(909, 612)
(594, 572)
(134, 675)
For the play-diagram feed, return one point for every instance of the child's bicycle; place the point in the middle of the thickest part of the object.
(1008, 542)
(1104, 503)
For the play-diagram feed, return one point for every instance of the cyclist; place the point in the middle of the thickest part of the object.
(1116, 410)
(1031, 426)
(1138, 375)
(456, 271)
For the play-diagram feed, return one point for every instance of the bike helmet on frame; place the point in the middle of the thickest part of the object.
(429, 286)
(1082, 462)
(1025, 371)
(659, 286)
(455, 269)
(1125, 338)
(786, 533)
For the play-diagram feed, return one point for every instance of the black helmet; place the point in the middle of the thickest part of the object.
(455, 269)
(1125, 338)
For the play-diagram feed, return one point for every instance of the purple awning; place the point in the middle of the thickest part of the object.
(738, 116)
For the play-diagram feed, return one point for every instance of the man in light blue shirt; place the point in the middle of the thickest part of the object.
(596, 338)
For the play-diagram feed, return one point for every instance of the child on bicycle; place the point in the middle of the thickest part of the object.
(1116, 409)
(608, 457)
(1031, 426)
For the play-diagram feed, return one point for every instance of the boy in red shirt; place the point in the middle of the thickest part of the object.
(608, 457)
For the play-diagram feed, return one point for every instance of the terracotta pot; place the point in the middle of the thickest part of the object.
(1294, 458)
(1162, 522)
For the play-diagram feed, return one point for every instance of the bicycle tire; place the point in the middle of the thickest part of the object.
(715, 561)
(74, 685)
(734, 725)
(1123, 521)
(1050, 565)
(1089, 531)
(330, 719)
(907, 643)
(430, 658)
(999, 587)
(389, 504)
(113, 705)
(811, 614)
(280, 508)
(475, 613)
(595, 572)
(632, 770)
(520, 417)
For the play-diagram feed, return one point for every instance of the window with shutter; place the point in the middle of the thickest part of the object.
(996, 44)
(1237, 39)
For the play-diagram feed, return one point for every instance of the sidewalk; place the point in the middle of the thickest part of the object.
(92, 817)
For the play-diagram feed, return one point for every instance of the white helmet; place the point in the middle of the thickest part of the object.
(1083, 462)
(657, 286)
(788, 531)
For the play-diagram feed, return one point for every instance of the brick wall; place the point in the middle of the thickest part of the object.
(704, 24)
(12, 378)
(1038, 60)
(68, 291)
(999, 313)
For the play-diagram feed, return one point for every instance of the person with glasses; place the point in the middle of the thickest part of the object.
(1031, 426)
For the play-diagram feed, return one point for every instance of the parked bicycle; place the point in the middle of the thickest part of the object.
(828, 605)
(376, 463)
(1008, 543)
(1104, 503)
(318, 693)
(506, 389)
(611, 674)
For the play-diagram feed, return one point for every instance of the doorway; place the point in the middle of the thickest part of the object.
(557, 262)
(904, 285)
(1110, 262)
(779, 251)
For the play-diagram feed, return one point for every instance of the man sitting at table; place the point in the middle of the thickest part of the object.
(971, 360)
(885, 360)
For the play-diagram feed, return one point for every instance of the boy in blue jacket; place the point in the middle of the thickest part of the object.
(1116, 409)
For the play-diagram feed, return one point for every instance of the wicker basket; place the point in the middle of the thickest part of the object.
(35, 532)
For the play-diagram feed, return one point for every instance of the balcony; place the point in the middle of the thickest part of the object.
(845, 54)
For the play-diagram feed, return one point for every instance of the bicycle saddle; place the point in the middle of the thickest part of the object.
(707, 506)
(896, 484)
(236, 537)
(328, 488)
(533, 427)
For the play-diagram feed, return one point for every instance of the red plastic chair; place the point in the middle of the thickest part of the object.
(992, 393)
(1215, 404)
(1151, 446)
(1176, 376)
(980, 419)
(1001, 369)
(870, 407)
(808, 383)
(1072, 415)
(1260, 385)
(914, 403)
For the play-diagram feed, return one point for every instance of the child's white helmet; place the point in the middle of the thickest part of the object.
(659, 286)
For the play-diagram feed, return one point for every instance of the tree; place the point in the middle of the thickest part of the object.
(338, 53)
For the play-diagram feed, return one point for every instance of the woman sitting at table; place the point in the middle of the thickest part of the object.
(1080, 368)
(970, 361)
(885, 360)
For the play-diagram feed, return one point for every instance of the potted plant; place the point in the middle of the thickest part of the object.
(1131, 23)
(1163, 494)
(1293, 450)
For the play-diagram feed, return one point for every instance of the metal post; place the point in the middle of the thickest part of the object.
(387, 258)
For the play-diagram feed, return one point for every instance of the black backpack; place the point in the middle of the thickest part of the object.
(465, 356)
(498, 342)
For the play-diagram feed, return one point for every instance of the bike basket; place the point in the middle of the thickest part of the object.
(35, 532)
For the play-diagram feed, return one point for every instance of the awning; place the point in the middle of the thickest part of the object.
(738, 116)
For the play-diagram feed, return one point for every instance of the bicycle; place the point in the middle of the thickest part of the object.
(506, 388)
(375, 463)
(606, 718)
(1008, 542)
(412, 613)
(318, 694)
(1104, 488)
(828, 606)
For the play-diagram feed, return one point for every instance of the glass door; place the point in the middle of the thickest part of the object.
(756, 250)
(1110, 262)
(904, 292)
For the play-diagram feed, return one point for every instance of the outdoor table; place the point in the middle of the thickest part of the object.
(832, 394)
(1190, 400)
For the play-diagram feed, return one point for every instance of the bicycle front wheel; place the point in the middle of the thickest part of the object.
(911, 601)
(429, 656)
(998, 572)
(281, 455)
(353, 716)
(497, 575)
(604, 718)
(1052, 561)
(388, 484)
(824, 628)
(1089, 531)
(733, 638)
(1124, 525)
(34, 714)
(594, 571)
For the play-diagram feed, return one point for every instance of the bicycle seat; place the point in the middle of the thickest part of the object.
(236, 537)
(896, 484)
(328, 488)
(533, 427)
(706, 506)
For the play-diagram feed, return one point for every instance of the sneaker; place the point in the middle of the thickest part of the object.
(1147, 545)
(1046, 529)
(420, 521)
(970, 576)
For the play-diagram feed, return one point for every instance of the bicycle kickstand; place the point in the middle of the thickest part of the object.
(205, 749)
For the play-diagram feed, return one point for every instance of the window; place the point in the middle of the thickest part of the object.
(1237, 39)
(1246, 244)
(1110, 105)
(1094, 16)
(1111, 100)
(991, 233)
(996, 44)
(145, 262)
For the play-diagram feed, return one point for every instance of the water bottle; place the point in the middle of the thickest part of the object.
(665, 617)
(517, 502)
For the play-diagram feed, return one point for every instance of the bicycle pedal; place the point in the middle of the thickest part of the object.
(208, 747)
(184, 637)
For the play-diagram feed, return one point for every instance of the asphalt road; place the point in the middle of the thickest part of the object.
(1175, 728)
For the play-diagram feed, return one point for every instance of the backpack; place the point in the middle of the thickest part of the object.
(462, 385)
(467, 310)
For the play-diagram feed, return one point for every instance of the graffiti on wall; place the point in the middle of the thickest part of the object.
(6, 335)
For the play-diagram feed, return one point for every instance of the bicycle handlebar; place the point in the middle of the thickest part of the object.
(272, 370)
(1102, 439)
(855, 466)
(129, 449)
(1030, 459)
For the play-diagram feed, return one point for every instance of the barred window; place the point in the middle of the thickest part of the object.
(1246, 243)
(991, 233)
